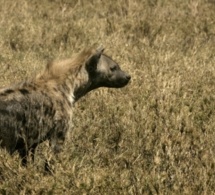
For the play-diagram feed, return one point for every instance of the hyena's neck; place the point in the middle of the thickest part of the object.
(70, 86)
(80, 85)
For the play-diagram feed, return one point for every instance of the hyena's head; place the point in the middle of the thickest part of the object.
(88, 70)
(104, 72)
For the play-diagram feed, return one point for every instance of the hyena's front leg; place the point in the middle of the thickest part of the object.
(22, 149)
(56, 142)
(25, 152)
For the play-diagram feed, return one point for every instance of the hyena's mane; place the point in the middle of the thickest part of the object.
(59, 70)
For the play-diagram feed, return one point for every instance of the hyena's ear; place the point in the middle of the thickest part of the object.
(92, 62)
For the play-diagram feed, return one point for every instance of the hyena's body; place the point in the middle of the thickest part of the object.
(41, 109)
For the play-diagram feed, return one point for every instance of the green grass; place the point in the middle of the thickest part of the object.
(156, 135)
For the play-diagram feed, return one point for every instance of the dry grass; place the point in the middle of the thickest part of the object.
(155, 136)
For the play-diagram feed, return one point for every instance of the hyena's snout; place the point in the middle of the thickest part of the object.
(120, 79)
(125, 79)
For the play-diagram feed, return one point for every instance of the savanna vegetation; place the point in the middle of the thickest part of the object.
(156, 135)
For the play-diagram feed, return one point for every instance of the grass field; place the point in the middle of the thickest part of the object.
(156, 135)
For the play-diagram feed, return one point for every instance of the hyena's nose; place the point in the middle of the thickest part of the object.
(128, 77)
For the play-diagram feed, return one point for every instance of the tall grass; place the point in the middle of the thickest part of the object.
(155, 136)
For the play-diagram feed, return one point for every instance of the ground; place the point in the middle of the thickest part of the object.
(156, 135)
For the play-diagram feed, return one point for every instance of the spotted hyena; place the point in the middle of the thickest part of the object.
(41, 108)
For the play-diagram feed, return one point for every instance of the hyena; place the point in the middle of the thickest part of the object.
(41, 108)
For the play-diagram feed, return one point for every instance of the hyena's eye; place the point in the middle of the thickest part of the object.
(113, 68)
